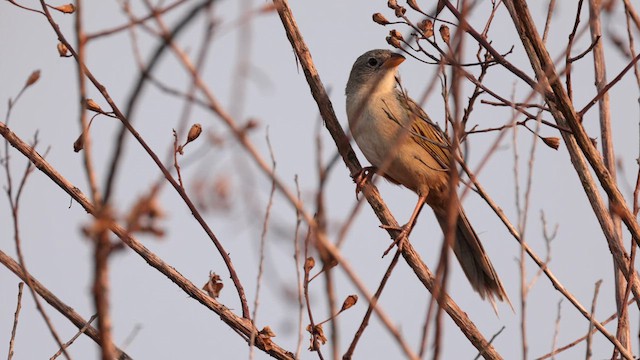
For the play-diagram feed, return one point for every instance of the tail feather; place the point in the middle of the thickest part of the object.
(474, 260)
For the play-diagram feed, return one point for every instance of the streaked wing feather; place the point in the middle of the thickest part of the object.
(427, 134)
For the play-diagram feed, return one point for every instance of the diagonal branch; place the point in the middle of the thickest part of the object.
(241, 325)
(371, 193)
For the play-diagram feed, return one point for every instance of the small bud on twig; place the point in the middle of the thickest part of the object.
(93, 106)
(412, 4)
(552, 142)
(394, 42)
(444, 33)
(426, 26)
(33, 78)
(67, 9)
(214, 285)
(395, 39)
(309, 264)
(380, 19)
(349, 302)
(400, 11)
(79, 143)
(62, 50)
(194, 132)
(392, 4)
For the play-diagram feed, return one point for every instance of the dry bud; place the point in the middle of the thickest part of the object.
(412, 4)
(214, 285)
(444, 33)
(93, 106)
(400, 10)
(265, 336)
(33, 78)
(317, 337)
(62, 50)
(552, 142)
(194, 132)
(394, 42)
(392, 4)
(79, 143)
(309, 264)
(67, 9)
(380, 19)
(426, 26)
(396, 34)
(251, 124)
(349, 302)
(267, 332)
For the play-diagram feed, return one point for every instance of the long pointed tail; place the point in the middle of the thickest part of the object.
(473, 259)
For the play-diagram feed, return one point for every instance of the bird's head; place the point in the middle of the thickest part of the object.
(375, 68)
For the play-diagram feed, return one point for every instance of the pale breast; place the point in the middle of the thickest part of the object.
(382, 139)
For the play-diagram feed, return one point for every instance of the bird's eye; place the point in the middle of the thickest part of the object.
(372, 62)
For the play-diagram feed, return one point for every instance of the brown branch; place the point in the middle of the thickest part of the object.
(196, 213)
(579, 143)
(134, 22)
(242, 325)
(583, 338)
(16, 315)
(605, 89)
(539, 262)
(333, 126)
(604, 111)
(64, 309)
(593, 309)
(365, 320)
(77, 335)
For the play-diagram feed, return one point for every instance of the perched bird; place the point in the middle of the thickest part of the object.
(407, 148)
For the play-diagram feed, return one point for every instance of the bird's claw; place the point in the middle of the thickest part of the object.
(362, 177)
(399, 239)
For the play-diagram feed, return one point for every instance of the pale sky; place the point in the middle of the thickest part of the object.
(174, 326)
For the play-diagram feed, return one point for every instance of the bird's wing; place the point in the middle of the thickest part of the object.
(426, 133)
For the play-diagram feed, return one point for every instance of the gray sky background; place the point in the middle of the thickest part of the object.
(174, 326)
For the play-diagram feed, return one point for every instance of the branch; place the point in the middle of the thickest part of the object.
(242, 325)
(371, 193)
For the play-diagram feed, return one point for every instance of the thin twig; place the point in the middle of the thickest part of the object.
(77, 335)
(16, 315)
(298, 264)
(240, 324)
(261, 251)
(556, 328)
(583, 338)
(593, 310)
(365, 320)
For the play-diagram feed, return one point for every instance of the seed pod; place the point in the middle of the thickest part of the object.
(309, 264)
(552, 142)
(33, 78)
(412, 4)
(62, 50)
(349, 302)
(394, 42)
(93, 106)
(444, 33)
(380, 19)
(67, 9)
(426, 26)
(194, 132)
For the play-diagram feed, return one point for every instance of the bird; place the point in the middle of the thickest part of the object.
(407, 148)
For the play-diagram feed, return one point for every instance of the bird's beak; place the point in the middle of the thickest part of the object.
(393, 61)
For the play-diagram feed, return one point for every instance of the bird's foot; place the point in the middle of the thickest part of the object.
(362, 177)
(400, 239)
